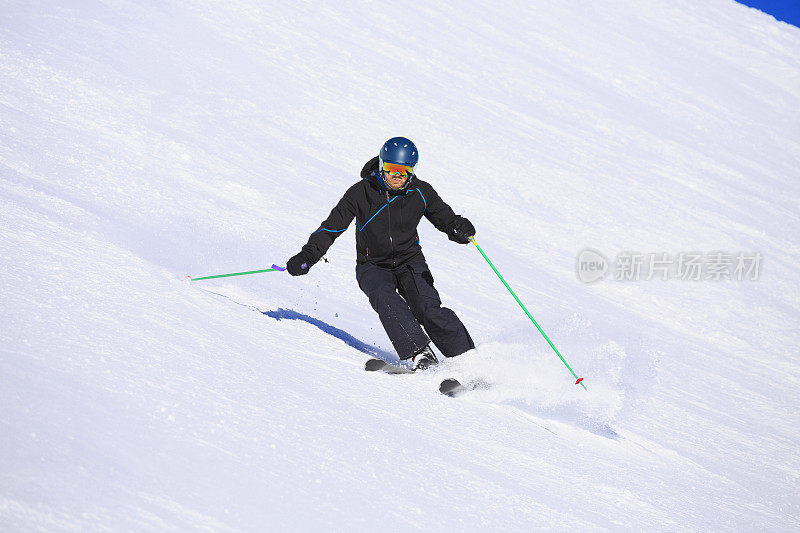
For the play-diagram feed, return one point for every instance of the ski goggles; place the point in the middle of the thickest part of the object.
(397, 170)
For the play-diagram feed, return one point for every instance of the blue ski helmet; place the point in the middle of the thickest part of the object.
(399, 150)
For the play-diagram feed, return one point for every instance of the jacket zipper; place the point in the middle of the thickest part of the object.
(391, 243)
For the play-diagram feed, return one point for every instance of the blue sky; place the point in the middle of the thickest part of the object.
(785, 10)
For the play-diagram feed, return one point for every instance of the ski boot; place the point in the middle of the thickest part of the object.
(424, 359)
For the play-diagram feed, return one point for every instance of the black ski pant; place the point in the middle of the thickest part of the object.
(404, 299)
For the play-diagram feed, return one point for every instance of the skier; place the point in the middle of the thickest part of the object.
(388, 204)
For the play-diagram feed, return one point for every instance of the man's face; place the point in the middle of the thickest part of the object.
(395, 181)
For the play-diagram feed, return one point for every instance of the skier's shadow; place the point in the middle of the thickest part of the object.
(361, 346)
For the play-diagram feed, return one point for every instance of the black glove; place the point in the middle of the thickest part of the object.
(298, 265)
(462, 230)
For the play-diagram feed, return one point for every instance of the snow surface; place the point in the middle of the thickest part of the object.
(143, 141)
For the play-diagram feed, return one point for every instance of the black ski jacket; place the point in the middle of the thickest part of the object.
(386, 220)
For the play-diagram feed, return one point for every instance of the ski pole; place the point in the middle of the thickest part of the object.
(273, 269)
(578, 380)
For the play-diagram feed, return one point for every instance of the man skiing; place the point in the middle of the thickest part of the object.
(388, 204)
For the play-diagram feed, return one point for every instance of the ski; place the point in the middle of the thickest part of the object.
(453, 388)
(379, 365)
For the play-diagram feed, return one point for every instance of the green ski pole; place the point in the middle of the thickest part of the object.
(578, 380)
(275, 268)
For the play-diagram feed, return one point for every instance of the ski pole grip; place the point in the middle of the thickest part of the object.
(276, 267)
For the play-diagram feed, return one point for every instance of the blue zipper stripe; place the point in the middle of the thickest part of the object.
(423, 199)
(378, 211)
(373, 216)
(331, 230)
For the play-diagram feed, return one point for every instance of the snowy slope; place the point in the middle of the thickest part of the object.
(143, 141)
